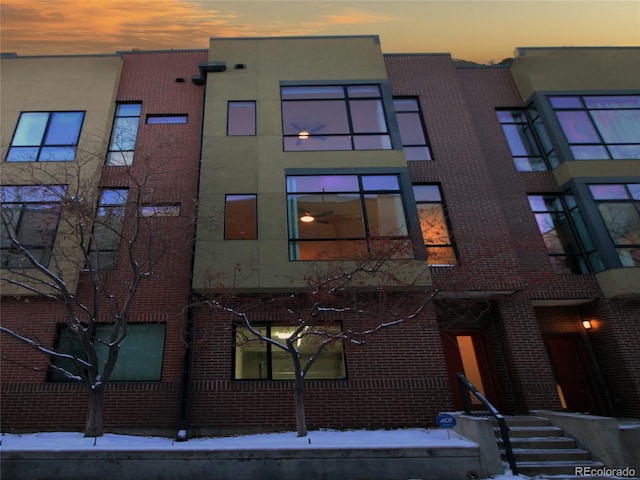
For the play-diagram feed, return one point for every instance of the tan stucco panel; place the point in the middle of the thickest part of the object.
(600, 169)
(83, 83)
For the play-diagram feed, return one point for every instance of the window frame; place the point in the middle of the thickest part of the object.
(366, 239)
(250, 132)
(422, 125)
(119, 157)
(43, 138)
(269, 349)
(49, 195)
(352, 137)
(447, 220)
(54, 376)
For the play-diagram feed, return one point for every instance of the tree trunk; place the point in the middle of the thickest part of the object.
(298, 399)
(93, 426)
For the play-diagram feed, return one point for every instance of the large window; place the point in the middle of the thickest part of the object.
(527, 139)
(46, 137)
(600, 127)
(619, 206)
(107, 231)
(564, 234)
(434, 225)
(346, 216)
(241, 118)
(241, 217)
(334, 118)
(124, 134)
(139, 359)
(31, 214)
(412, 131)
(259, 360)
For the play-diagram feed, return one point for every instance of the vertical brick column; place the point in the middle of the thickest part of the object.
(532, 383)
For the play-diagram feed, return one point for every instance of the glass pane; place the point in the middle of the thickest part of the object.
(64, 128)
(128, 110)
(309, 118)
(441, 256)
(241, 220)
(545, 203)
(391, 248)
(114, 197)
(380, 182)
(57, 154)
(618, 126)
(622, 221)
(417, 153)
(119, 158)
(577, 127)
(565, 102)
(608, 192)
(163, 119)
(328, 250)
(367, 116)
(385, 215)
(250, 355)
(160, 210)
(38, 225)
(10, 216)
(30, 129)
(634, 188)
(23, 154)
(511, 116)
(241, 118)
(529, 164)
(591, 152)
(322, 183)
(336, 142)
(125, 132)
(363, 91)
(326, 216)
(411, 130)
(625, 151)
(405, 105)
(433, 224)
(141, 353)
(613, 101)
(427, 193)
(372, 142)
(521, 140)
(289, 93)
(629, 257)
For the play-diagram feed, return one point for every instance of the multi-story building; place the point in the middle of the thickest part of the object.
(511, 190)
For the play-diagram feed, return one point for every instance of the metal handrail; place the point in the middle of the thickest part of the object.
(467, 389)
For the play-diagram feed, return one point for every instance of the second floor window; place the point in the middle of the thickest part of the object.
(46, 137)
(600, 127)
(241, 118)
(346, 217)
(334, 117)
(124, 134)
(107, 230)
(619, 206)
(30, 214)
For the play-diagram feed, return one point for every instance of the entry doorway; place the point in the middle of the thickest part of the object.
(467, 352)
(576, 386)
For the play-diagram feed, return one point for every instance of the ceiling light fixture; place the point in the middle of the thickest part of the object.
(307, 218)
(303, 135)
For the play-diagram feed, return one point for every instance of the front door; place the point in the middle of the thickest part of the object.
(576, 386)
(467, 352)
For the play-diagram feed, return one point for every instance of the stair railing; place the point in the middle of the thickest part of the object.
(481, 407)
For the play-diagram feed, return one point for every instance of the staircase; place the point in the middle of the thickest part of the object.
(541, 449)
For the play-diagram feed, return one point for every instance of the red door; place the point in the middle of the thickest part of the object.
(572, 373)
(467, 352)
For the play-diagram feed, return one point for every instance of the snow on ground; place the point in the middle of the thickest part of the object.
(325, 439)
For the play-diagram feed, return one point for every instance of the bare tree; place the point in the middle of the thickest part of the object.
(62, 239)
(344, 304)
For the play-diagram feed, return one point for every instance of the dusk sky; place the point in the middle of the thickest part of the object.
(476, 30)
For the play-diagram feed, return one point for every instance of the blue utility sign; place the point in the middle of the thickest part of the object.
(444, 420)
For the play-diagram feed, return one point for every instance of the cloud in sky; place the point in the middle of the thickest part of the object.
(96, 26)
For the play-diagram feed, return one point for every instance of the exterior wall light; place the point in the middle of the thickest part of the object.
(587, 324)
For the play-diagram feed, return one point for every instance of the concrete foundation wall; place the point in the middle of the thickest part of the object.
(359, 464)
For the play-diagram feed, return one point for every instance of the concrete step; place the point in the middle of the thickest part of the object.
(535, 432)
(526, 421)
(543, 443)
(532, 469)
(551, 455)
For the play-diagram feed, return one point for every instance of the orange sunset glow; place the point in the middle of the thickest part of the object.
(476, 30)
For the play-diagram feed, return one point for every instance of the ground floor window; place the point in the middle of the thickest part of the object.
(256, 359)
